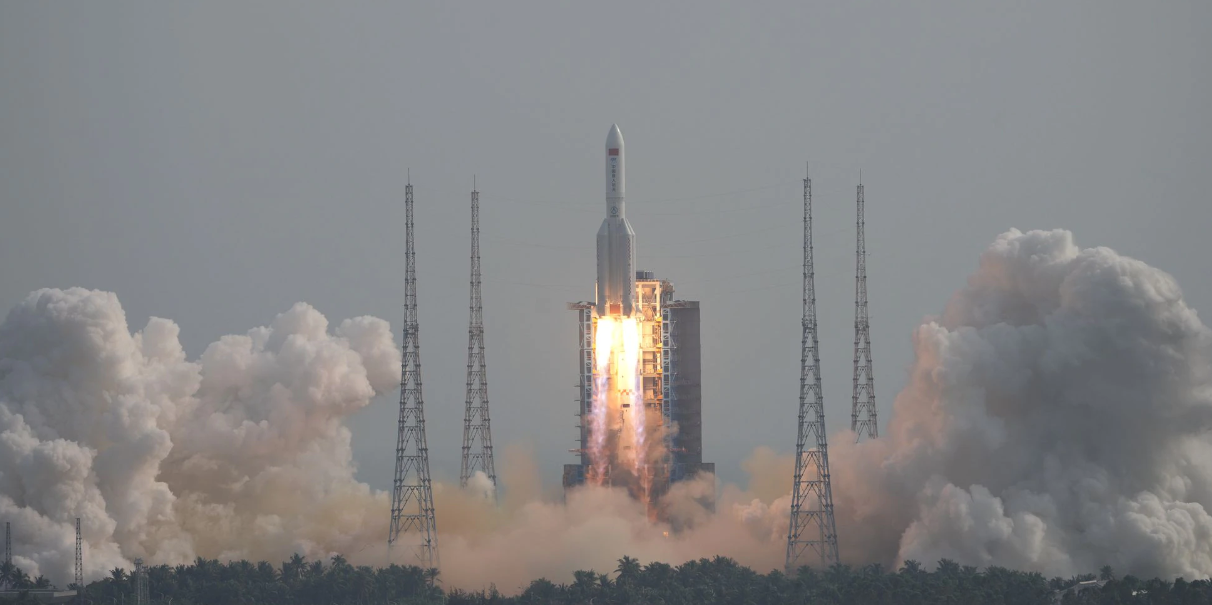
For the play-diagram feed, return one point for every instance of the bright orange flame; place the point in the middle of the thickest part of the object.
(603, 342)
(598, 418)
(618, 407)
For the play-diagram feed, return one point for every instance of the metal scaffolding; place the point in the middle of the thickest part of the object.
(141, 596)
(412, 493)
(670, 375)
(477, 436)
(668, 392)
(812, 525)
(79, 558)
(862, 410)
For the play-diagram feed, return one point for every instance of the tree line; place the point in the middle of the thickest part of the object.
(705, 581)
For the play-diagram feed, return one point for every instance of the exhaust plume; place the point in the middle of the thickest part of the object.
(1056, 419)
(240, 454)
(243, 454)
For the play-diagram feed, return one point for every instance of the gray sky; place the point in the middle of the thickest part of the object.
(214, 163)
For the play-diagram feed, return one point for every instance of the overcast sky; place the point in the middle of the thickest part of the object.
(214, 163)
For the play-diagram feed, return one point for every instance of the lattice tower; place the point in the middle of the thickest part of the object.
(477, 436)
(812, 525)
(140, 583)
(8, 542)
(412, 493)
(862, 410)
(79, 558)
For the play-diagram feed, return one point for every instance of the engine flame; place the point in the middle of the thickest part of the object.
(618, 425)
(603, 345)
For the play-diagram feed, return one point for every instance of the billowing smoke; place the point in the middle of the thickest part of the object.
(530, 537)
(241, 453)
(1056, 419)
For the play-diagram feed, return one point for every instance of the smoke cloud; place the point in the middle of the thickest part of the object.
(243, 453)
(1056, 419)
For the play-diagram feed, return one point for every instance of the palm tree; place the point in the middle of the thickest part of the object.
(431, 575)
(540, 591)
(948, 568)
(584, 583)
(1106, 574)
(7, 571)
(656, 574)
(42, 582)
(292, 569)
(20, 579)
(339, 563)
(838, 574)
(315, 570)
(628, 570)
(266, 572)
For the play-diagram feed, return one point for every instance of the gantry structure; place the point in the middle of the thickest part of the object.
(671, 379)
(477, 433)
(412, 492)
(812, 526)
(862, 409)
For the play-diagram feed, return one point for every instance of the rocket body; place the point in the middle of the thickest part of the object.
(616, 238)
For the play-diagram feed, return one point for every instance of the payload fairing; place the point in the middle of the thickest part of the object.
(616, 238)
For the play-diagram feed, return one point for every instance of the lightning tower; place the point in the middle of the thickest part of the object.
(862, 409)
(477, 438)
(412, 493)
(8, 542)
(812, 526)
(79, 559)
(140, 583)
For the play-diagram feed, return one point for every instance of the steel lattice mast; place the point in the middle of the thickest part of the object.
(79, 559)
(477, 436)
(141, 596)
(812, 526)
(862, 410)
(8, 542)
(412, 494)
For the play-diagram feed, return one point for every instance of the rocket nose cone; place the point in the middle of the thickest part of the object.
(614, 138)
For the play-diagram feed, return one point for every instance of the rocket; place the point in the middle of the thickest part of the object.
(616, 238)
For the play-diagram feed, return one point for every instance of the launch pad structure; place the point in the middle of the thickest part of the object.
(639, 370)
(671, 375)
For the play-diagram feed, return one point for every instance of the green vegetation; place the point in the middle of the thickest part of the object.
(706, 581)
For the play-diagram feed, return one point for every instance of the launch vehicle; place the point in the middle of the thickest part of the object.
(616, 238)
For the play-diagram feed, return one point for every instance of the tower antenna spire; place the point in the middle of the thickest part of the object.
(477, 436)
(812, 525)
(412, 493)
(862, 409)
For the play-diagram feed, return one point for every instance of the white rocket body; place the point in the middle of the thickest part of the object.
(616, 238)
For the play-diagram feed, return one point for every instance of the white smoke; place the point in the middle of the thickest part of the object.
(1056, 419)
(243, 454)
(239, 454)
